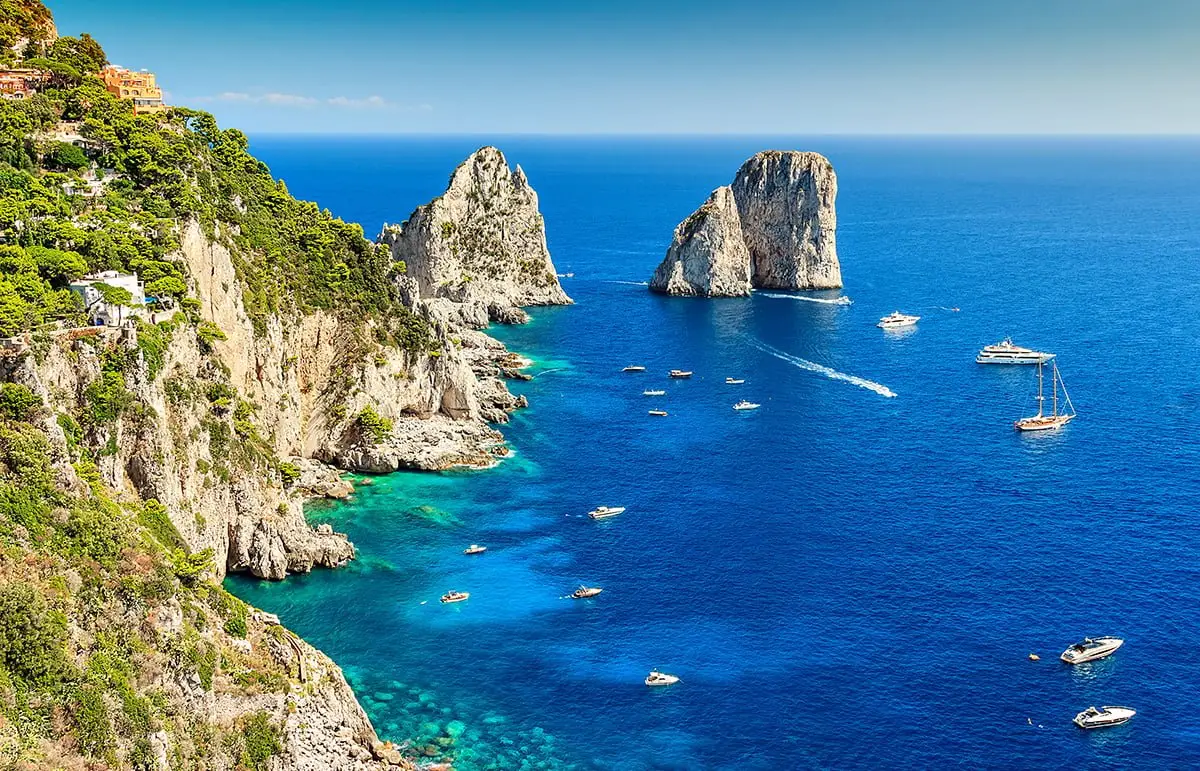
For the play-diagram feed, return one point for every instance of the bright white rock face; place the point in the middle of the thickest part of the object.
(773, 228)
(708, 257)
(482, 242)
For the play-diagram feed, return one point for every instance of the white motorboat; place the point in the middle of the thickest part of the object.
(585, 592)
(658, 413)
(475, 549)
(656, 678)
(1104, 717)
(1056, 418)
(680, 374)
(604, 512)
(1005, 352)
(453, 596)
(897, 320)
(1091, 648)
(654, 393)
(745, 405)
(733, 381)
(634, 368)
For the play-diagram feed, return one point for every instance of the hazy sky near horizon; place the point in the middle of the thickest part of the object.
(750, 67)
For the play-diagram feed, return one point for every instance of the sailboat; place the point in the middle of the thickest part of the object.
(1056, 419)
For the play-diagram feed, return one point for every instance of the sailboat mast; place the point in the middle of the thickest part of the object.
(1041, 391)
(1055, 384)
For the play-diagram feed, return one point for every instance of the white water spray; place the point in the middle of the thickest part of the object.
(828, 372)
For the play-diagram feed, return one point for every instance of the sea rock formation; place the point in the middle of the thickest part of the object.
(775, 224)
(481, 244)
(708, 256)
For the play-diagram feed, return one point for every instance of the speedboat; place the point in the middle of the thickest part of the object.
(634, 368)
(604, 512)
(585, 592)
(654, 393)
(897, 320)
(745, 405)
(1091, 648)
(452, 596)
(658, 413)
(733, 381)
(475, 549)
(1103, 717)
(680, 374)
(660, 678)
(1005, 352)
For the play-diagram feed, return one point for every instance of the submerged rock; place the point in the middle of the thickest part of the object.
(480, 244)
(773, 228)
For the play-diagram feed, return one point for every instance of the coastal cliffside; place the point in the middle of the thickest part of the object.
(143, 459)
(481, 244)
(780, 230)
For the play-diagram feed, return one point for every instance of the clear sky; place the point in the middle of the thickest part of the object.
(676, 66)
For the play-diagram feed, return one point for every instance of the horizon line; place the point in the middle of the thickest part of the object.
(694, 135)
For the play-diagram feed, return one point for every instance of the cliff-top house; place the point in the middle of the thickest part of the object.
(140, 87)
(100, 312)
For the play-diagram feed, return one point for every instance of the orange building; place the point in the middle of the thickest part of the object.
(137, 86)
(21, 84)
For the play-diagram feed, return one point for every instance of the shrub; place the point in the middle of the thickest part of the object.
(32, 638)
(17, 402)
(374, 425)
(260, 741)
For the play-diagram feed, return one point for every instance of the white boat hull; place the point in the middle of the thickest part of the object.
(1108, 717)
(1013, 360)
(1072, 656)
(1043, 424)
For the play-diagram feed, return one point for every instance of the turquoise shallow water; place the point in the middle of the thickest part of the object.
(842, 578)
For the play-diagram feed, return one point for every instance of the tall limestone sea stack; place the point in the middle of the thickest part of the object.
(775, 226)
(481, 244)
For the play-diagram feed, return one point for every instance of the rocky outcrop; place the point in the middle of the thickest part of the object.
(776, 224)
(481, 244)
(708, 256)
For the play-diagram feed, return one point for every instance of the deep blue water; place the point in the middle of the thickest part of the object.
(841, 579)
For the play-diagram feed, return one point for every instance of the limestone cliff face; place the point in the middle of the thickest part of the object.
(786, 201)
(482, 244)
(708, 257)
(779, 228)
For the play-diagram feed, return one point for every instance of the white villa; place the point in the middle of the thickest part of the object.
(101, 312)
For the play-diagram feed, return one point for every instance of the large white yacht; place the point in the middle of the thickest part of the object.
(1006, 352)
(1103, 717)
(897, 320)
(604, 512)
(1091, 648)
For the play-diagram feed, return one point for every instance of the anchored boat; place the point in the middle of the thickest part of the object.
(585, 592)
(453, 596)
(745, 405)
(1006, 352)
(1056, 419)
(634, 368)
(733, 381)
(475, 549)
(1104, 717)
(654, 393)
(1091, 649)
(658, 413)
(680, 374)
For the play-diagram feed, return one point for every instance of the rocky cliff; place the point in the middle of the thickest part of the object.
(780, 229)
(481, 244)
(708, 256)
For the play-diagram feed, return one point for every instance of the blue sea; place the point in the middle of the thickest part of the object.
(852, 576)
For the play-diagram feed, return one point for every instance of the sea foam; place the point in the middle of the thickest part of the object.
(828, 372)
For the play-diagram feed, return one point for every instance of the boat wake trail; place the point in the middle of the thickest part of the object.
(843, 300)
(629, 283)
(828, 372)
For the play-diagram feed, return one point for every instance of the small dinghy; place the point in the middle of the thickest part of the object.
(1091, 649)
(680, 374)
(585, 592)
(745, 405)
(475, 549)
(634, 368)
(654, 393)
(656, 678)
(604, 512)
(452, 596)
(658, 413)
(1104, 717)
